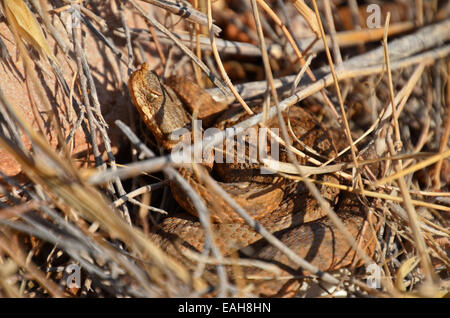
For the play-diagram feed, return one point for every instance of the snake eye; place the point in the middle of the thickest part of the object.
(154, 94)
(243, 185)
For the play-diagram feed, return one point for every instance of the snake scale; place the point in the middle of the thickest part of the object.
(281, 205)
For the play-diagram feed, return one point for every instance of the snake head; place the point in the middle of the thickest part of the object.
(158, 105)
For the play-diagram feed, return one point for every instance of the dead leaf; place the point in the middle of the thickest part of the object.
(404, 270)
(22, 20)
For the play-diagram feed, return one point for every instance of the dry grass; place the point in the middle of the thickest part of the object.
(70, 203)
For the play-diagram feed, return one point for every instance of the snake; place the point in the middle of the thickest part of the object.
(283, 206)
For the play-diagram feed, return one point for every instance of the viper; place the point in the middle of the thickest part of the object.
(282, 205)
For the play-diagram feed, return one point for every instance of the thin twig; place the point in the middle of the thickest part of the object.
(220, 64)
(198, 203)
(157, 164)
(182, 47)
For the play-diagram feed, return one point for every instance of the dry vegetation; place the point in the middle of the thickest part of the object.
(75, 190)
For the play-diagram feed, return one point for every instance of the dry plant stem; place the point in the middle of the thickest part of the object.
(355, 37)
(289, 168)
(100, 35)
(73, 231)
(17, 210)
(100, 22)
(285, 16)
(398, 141)
(401, 98)
(343, 39)
(419, 12)
(339, 96)
(334, 41)
(305, 91)
(156, 164)
(414, 225)
(8, 290)
(299, 55)
(198, 50)
(182, 47)
(14, 136)
(413, 221)
(300, 74)
(219, 62)
(307, 14)
(266, 234)
(233, 261)
(224, 46)
(112, 161)
(269, 30)
(188, 13)
(265, 59)
(285, 31)
(308, 170)
(86, 80)
(31, 76)
(424, 137)
(62, 183)
(120, 5)
(255, 89)
(357, 20)
(414, 168)
(100, 124)
(368, 289)
(19, 258)
(200, 207)
(139, 191)
(311, 187)
(145, 206)
(95, 246)
(367, 193)
(426, 225)
(445, 136)
(84, 90)
(204, 218)
(270, 238)
(48, 24)
(24, 157)
(158, 46)
(100, 247)
(65, 240)
(401, 49)
(434, 35)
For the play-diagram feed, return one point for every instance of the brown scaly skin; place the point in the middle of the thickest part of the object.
(282, 206)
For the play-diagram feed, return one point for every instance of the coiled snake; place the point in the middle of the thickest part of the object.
(282, 206)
